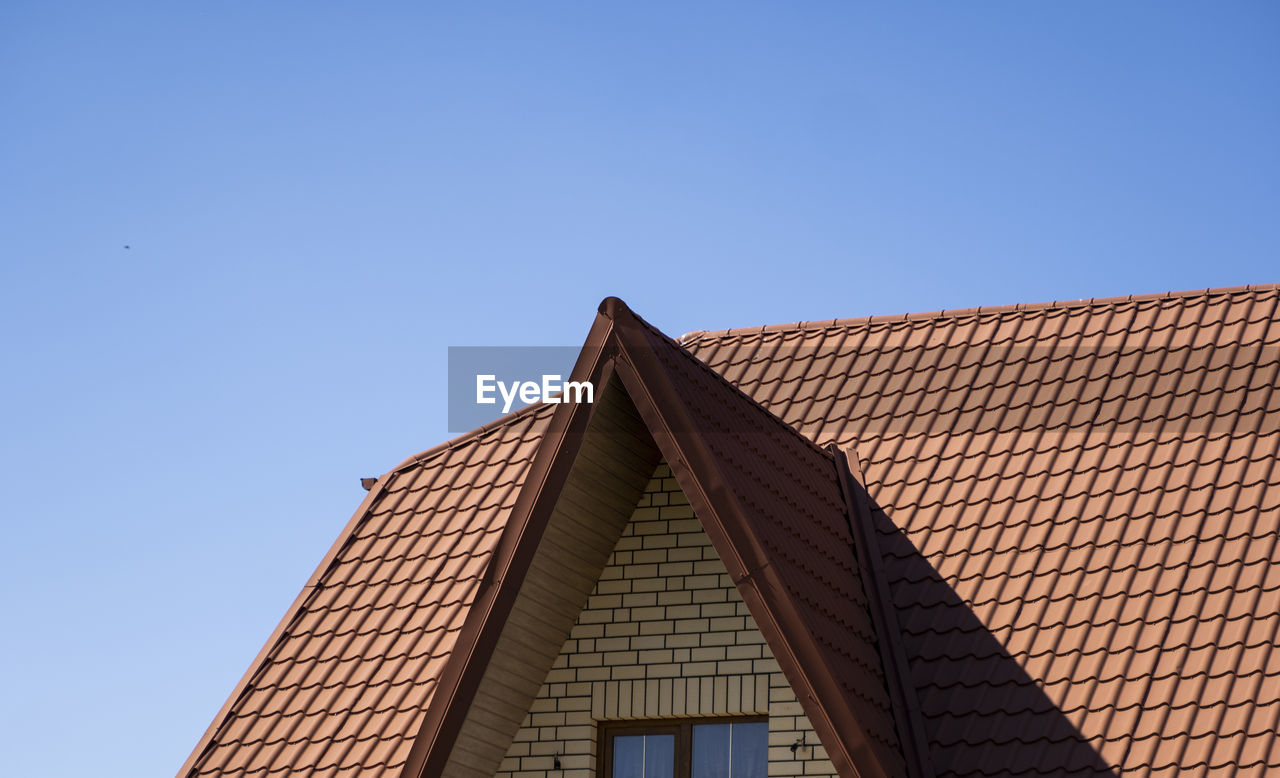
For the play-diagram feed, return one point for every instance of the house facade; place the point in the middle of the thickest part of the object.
(663, 635)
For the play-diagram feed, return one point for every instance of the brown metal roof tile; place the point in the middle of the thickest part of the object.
(1104, 478)
(1078, 516)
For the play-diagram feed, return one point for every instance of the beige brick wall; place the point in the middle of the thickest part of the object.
(664, 634)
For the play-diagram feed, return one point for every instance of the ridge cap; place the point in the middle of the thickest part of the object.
(1088, 302)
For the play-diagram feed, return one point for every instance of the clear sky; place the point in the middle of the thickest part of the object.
(317, 199)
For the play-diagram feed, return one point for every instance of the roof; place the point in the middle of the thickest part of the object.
(1073, 509)
(377, 666)
(1078, 512)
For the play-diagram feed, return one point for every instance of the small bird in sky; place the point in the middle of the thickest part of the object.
(126, 247)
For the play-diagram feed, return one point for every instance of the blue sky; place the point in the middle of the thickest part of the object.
(320, 198)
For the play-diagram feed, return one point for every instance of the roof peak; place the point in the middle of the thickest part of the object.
(738, 485)
(824, 324)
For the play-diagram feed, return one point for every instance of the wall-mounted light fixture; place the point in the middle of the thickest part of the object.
(798, 744)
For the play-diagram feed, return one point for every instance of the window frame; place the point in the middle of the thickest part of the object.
(681, 728)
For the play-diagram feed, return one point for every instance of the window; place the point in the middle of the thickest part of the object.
(715, 748)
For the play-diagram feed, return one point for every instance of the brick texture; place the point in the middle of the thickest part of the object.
(664, 634)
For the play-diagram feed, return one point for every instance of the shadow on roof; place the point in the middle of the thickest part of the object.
(982, 713)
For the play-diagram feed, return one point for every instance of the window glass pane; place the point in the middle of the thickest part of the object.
(710, 751)
(659, 756)
(750, 750)
(628, 756)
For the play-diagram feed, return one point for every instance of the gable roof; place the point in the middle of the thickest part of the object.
(772, 505)
(1073, 507)
(377, 665)
(1078, 509)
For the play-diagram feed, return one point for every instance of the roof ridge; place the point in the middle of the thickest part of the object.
(465, 438)
(823, 324)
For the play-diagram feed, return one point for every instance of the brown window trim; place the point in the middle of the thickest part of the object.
(681, 728)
